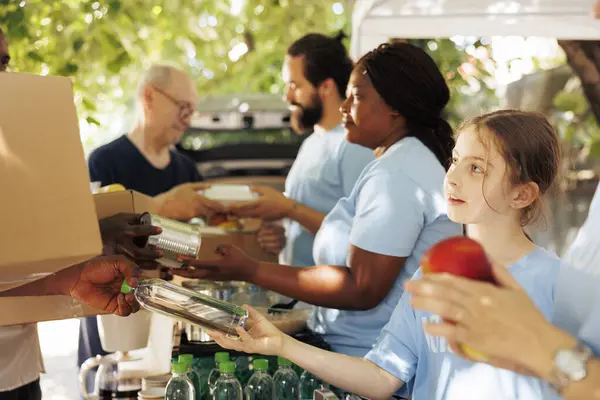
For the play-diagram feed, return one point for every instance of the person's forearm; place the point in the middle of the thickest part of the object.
(309, 218)
(588, 388)
(543, 364)
(322, 285)
(356, 375)
(58, 283)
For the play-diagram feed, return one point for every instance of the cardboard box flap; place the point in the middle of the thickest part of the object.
(109, 204)
(47, 214)
(26, 309)
(27, 272)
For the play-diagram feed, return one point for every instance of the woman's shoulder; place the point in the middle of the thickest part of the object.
(407, 168)
(412, 158)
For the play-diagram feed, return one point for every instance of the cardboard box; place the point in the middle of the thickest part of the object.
(47, 216)
(212, 237)
(129, 201)
(19, 310)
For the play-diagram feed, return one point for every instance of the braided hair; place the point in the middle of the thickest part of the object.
(409, 81)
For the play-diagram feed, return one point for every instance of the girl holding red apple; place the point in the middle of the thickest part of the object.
(502, 164)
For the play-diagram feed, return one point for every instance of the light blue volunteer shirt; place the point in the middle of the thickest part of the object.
(325, 170)
(584, 252)
(575, 296)
(397, 208)
(432, 371)
(590, 331)
(577, 304)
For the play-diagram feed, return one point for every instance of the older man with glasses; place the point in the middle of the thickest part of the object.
(145, 160)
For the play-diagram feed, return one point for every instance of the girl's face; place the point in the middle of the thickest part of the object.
(477, 184)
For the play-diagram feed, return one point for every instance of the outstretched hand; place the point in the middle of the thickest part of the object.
(262, 337)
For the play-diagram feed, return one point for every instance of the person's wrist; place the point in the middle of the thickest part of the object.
(550, 342)
(250, 270)
(290, 207)
(64, 281)
(286, 343)
(160, 204)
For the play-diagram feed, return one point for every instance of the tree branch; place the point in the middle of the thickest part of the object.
(584, 59)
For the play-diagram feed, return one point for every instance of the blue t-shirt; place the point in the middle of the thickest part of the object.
(397, 208)
(574, 298)
(590, 331)
(584, 252)
(431, 371)
(577, 304)
(325, 170)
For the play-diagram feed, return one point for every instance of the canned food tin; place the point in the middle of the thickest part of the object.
(176, 239)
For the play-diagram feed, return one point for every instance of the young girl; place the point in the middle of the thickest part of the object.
(502, 164)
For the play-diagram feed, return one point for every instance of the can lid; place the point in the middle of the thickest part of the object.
(125, 288)
(187, 359)
(261, 364)
(227, 367)
(179, 368)
(221, 356)
(283, 362)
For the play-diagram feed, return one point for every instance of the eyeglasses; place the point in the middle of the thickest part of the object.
(186, 109)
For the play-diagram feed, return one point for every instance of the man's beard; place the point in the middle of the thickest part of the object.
(306, 117)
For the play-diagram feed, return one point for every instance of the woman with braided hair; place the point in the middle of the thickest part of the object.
(372, 240)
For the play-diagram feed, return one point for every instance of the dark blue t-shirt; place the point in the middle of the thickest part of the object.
(121, 162)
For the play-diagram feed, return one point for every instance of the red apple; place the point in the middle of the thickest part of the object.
(463, 257)
(460, 256)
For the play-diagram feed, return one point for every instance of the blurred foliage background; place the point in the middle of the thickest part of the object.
(236, 46)
(228, 46)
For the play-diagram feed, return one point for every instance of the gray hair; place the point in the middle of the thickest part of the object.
(159, 75)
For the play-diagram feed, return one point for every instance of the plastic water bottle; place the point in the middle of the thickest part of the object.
(188, 360)
(287, 383)
(215, 373)
(308, 384)
(228, 387)
(174, 301)
(180, 387)
(261, 385)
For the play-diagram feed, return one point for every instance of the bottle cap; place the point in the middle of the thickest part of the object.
(179, 368)
(187, 359)
(221, 356)
(227, 367)
(125, 288)
(283, 362)
(261, 364)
